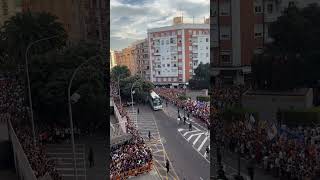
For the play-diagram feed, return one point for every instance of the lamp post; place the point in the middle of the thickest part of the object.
(70, 113)
(119, 89)
(132, 94)
(28, 82)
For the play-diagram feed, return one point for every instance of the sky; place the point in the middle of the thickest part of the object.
(130, 19)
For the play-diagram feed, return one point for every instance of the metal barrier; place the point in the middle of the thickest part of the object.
(134, 172)
(22, 165)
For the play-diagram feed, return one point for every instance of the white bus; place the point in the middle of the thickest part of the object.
(155, 101)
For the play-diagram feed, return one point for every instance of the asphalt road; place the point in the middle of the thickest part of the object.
(187, 163)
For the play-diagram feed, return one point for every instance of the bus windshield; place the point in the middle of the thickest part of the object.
(156, 102)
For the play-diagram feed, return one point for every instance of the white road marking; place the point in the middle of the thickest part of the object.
(199, 134)
(194, 142)
(190, 132)
(202, 143)
(180, 129)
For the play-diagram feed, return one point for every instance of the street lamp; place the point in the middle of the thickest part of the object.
(132, 95)
(119, 89)
(70, 111)
(28, 82)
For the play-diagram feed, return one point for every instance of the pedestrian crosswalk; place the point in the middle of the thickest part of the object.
(199, 140)
(145, 123)
(62, 155)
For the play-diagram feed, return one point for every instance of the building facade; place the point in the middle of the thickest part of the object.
(239, 31)
(175, 51)
(142, 59)
(8, 8)
(127, 58)
(112, 59)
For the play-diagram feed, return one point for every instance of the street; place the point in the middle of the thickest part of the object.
(185, 161)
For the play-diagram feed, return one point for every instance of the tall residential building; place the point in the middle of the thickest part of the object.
(112, 59)
(128, 59)
(175, 51)
(8, 8)
(117, 57)
(240, 30)
(142, 58)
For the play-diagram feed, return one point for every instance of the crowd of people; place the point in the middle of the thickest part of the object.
(13, 109)
(131, 155)
(289, 153)
(197, 109)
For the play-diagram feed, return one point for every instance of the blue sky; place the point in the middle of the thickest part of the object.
(130, 19)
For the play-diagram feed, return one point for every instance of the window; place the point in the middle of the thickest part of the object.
(258, 30)
(225, 33)
(291, 3)
(225, 8)
(270, 8)
(167, 41)
(162, 42)
(159, 72)
(168, 65)
(226, 58)
(174, 65)
(258, 9)
(258, 6)
(179, 32)
(207, 39)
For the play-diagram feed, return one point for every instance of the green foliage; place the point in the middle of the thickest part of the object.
(23, 28)
(201, 79)
(141, 87)
(301, 117)
(203, 98)
(183, 97)
(50, 74)
(294, 49)
(119, 72)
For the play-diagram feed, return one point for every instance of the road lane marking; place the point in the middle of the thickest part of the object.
(202, 143)
(199, 134)
(194, 142)
(190, 132)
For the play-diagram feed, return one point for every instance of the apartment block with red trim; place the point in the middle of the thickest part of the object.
(239, 30)
(175, 51)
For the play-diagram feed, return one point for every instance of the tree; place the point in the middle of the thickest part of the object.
(294, 49)
(50, 74)
(201, 79)
(119, 71)
(23, 28)
(141, 87)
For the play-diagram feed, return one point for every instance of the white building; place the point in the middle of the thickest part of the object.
(175, 51)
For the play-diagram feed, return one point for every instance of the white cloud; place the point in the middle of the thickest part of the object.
(130, 19)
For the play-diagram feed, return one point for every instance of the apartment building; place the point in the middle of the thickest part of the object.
(8, 8)
(127, 58)
(112, 59)
(142, 58)
(240, 30)
(175, 51)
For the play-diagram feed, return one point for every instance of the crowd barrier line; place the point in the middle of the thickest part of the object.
(134, 172)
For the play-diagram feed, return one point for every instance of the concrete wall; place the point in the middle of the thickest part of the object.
(268, 104)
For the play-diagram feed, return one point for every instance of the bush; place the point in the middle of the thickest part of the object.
(203, 98)
(183, 97)
(303, 117)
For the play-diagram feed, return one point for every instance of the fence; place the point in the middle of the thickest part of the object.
(134, 172)
(22, 165)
